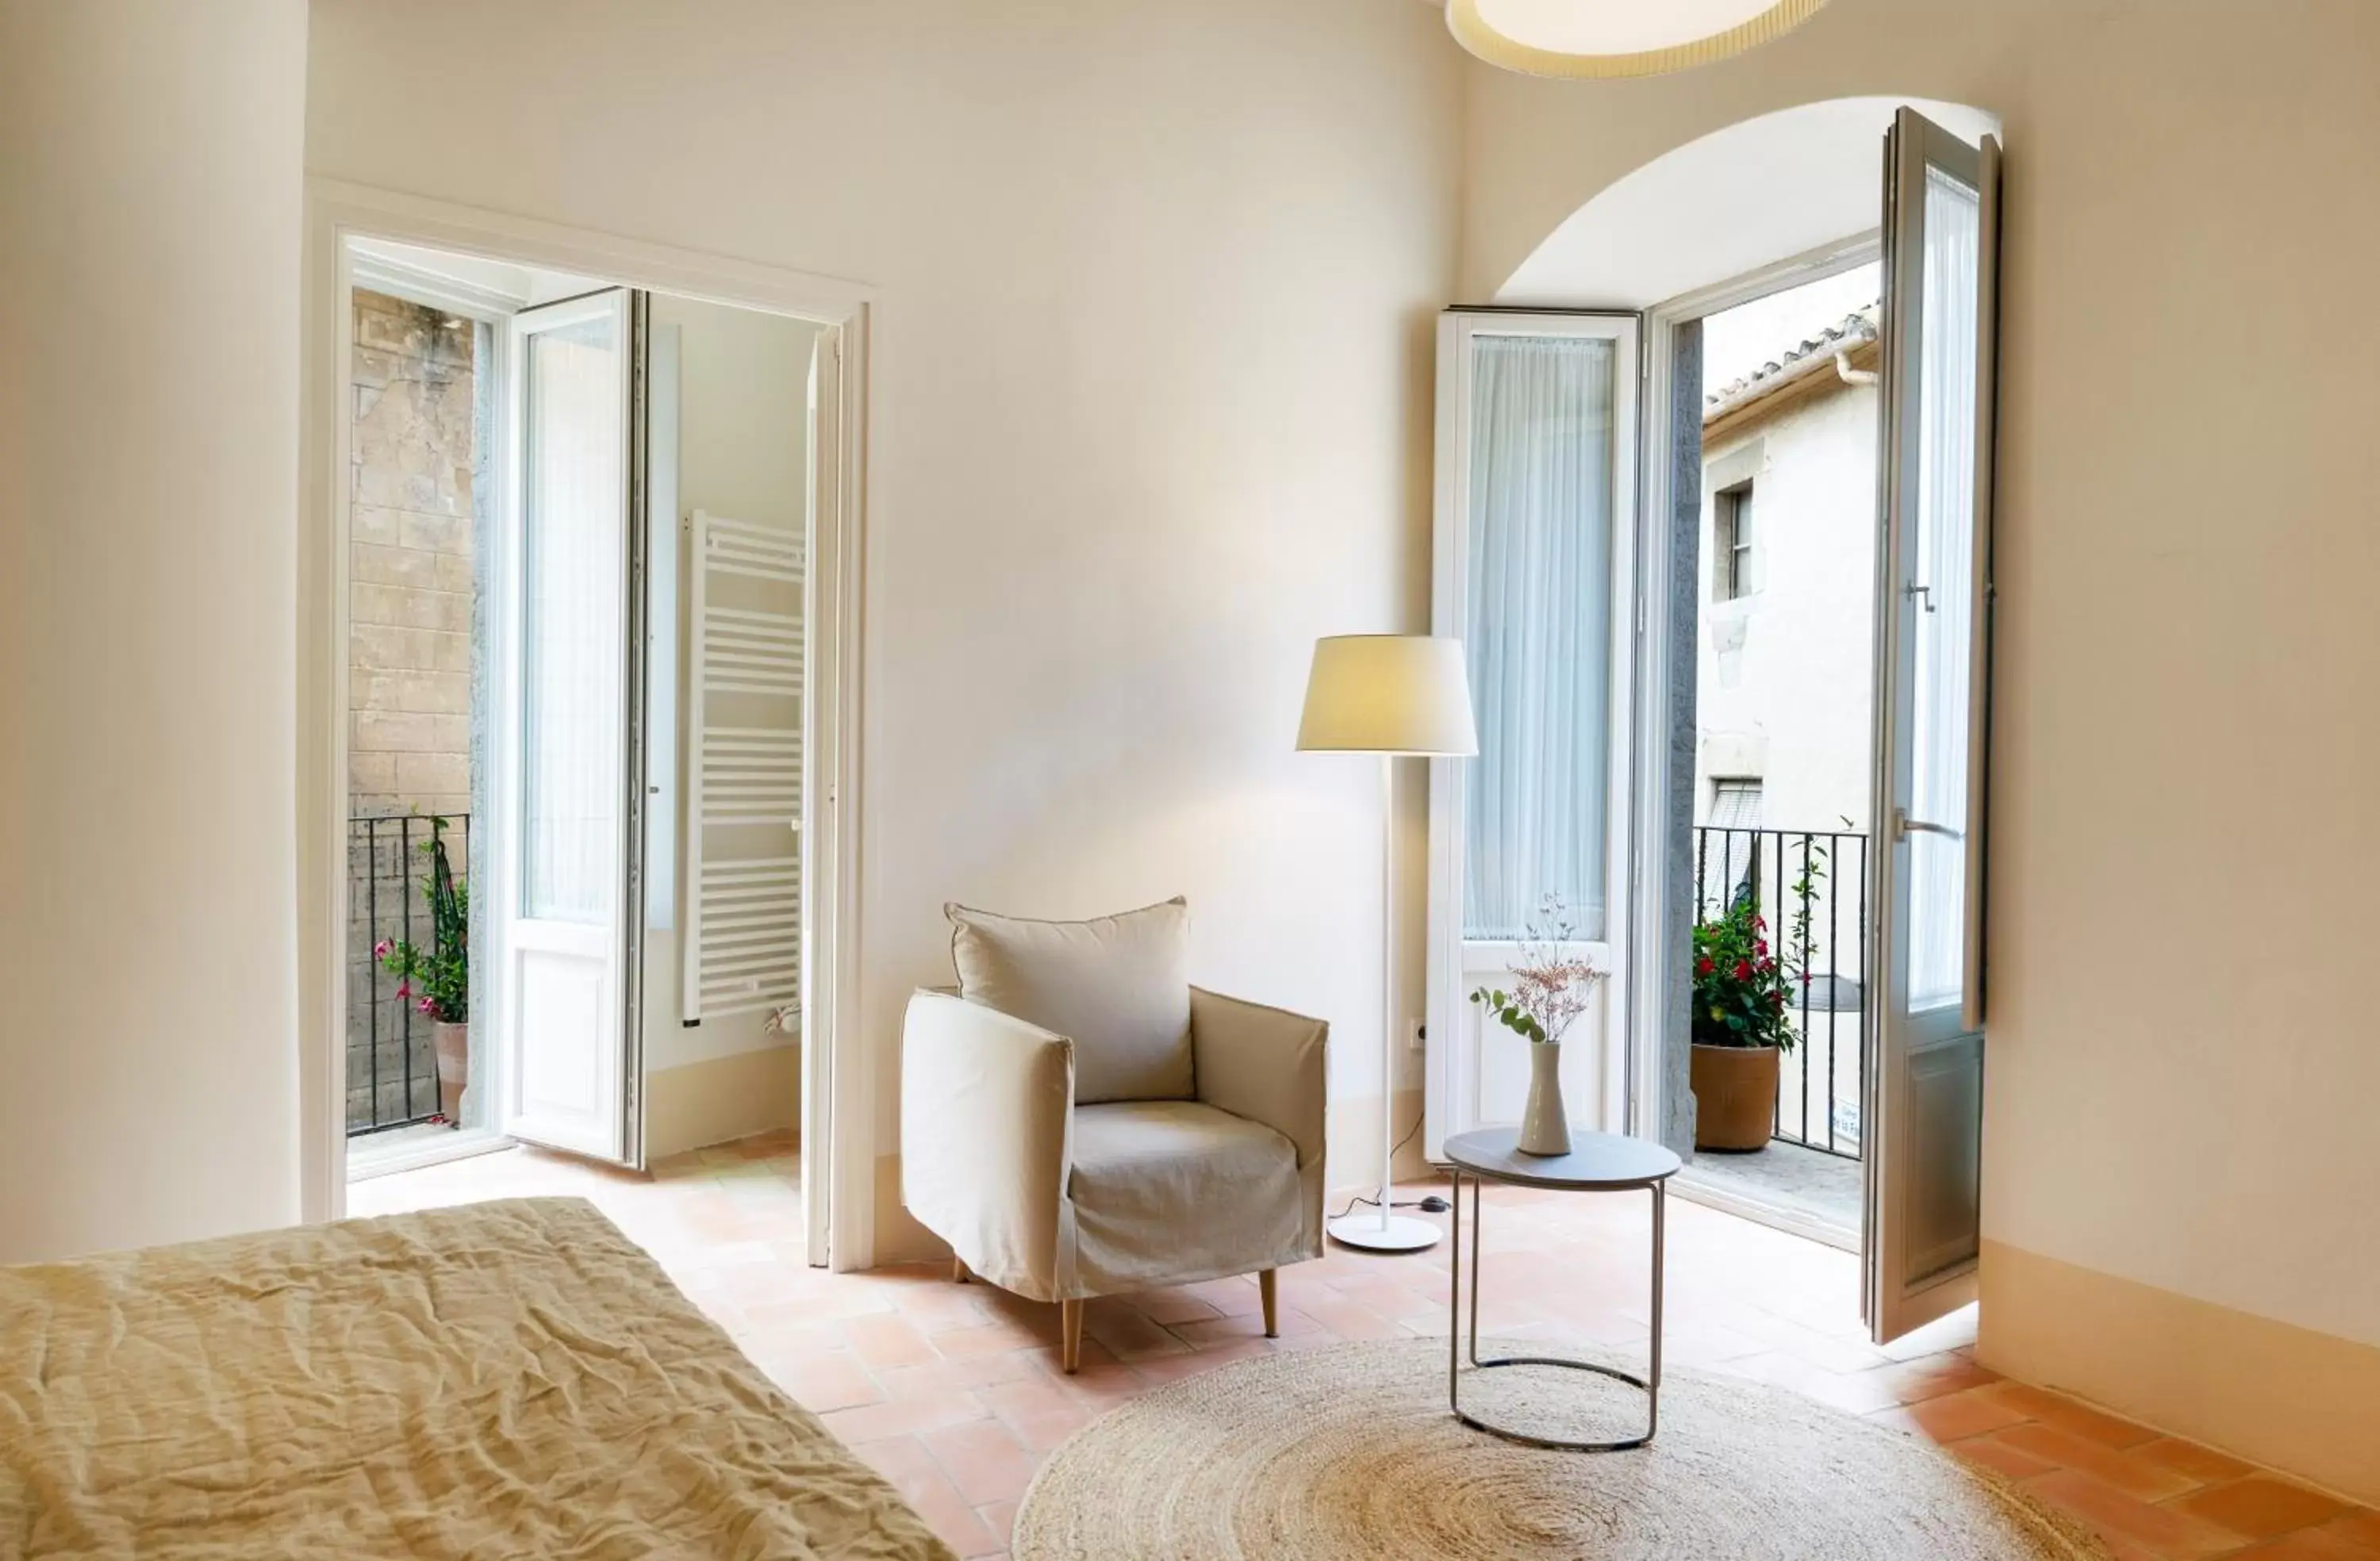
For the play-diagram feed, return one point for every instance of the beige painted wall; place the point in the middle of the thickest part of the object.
(742, 451)
(1153, 362)
(2182, 1078)
(149, 273)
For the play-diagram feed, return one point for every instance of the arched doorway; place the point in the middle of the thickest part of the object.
(1792, 649)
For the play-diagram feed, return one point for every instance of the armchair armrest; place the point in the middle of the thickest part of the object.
(987, 1116)
(1265, 1064)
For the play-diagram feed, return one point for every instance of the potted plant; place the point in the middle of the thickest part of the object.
(1742, 1019)
(437, 979)
(1551, 987)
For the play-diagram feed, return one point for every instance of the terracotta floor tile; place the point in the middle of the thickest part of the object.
(2203, 1465)
(2362, 1526)
(984, 1460)
(903, 1358)
(1127, 1332)
(2068, 1414)
(905, 1417)
(1174, 1368)
(1989, 1452)
(2061, 1448)
(1037, 1412)
(2176, 1536)
(999, 1517)
(1169, 1306)
(820, 1381)
(2308, 1545)
(921, 1479)
(2260, 1508)
(986, 1338)
(1215, 1331)
(888, 1339)
(1932, 1376)
(1957, 1416)
(974, 1371)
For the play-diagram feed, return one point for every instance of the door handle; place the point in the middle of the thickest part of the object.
(1904, 825)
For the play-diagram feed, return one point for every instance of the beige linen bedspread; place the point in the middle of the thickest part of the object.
(509, 1379)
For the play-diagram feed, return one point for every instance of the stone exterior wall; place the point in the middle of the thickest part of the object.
(410, 600)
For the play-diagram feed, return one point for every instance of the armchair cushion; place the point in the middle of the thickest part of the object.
(1168, 1190)
(1118, 986)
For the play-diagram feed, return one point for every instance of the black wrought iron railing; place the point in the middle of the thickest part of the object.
(1812, 888)
(392, 1064)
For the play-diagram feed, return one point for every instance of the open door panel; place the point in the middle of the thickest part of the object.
(1926, 1081)
(1533, 571)
(565, 744)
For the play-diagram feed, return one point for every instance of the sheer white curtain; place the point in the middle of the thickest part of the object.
(1945, 565)
(572, 559)
(1539, 631)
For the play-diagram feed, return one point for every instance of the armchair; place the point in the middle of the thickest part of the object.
(1057, 1198)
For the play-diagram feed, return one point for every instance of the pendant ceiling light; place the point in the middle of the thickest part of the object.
(1606, 38)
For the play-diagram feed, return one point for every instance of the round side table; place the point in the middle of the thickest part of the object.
(1598, 1162)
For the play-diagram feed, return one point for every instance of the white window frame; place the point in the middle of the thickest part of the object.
(1450, 547)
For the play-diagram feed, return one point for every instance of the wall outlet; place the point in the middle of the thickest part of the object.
(1416, 1034)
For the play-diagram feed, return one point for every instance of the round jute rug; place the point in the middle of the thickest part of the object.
(1348, 1452)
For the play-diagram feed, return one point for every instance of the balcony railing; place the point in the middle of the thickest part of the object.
(1812, 886)
(392, 1068)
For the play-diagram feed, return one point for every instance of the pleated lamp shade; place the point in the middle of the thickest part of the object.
(1612, 38)
(1388, 694)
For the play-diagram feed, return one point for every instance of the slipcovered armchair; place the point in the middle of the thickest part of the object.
(1132, 1132)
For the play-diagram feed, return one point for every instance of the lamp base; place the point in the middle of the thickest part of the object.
(1396, 1234)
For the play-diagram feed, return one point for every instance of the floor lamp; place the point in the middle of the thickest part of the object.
(1393, 696)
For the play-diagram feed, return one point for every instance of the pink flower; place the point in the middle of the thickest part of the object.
(380, 949)
(427, 1005)
(404, 990)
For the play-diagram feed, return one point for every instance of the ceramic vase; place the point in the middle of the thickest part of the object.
(1545, 1129)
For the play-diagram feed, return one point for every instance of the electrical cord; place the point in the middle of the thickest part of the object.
(1432, 1203)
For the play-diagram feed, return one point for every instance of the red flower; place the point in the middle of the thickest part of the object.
(1761, 922)
(1743, 969)
(1760, 945)
(405, 989)
(1704, 965)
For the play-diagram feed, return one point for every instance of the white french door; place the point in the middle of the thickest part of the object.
(564, 751)
(1532, 571)
(1926, 1085)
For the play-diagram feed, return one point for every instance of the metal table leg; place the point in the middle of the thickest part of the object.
(1456, 1334)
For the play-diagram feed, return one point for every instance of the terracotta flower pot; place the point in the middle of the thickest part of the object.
(1736, 1096)
(453, 1045)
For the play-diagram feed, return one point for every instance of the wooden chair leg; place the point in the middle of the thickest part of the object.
(958, 1270)
(1268, 1286)
(1070, 1328)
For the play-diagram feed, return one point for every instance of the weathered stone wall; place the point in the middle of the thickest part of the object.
(411, 591)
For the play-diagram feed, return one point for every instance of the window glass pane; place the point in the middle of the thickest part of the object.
(1943, 563)
(1540, 631)
(572, 514)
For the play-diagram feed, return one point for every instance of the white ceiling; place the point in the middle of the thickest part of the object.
(1737, 200)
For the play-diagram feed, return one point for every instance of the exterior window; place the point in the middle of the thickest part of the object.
(1731, 543)
(1735, 804)
(1728, 846)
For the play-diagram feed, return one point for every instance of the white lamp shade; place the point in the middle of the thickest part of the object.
(1608, 38)
(1388, 694)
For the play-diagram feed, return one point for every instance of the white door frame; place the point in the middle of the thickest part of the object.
(1657, 566)
(834, 1059)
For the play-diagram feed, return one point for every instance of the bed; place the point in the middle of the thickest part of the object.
(508, 1379)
